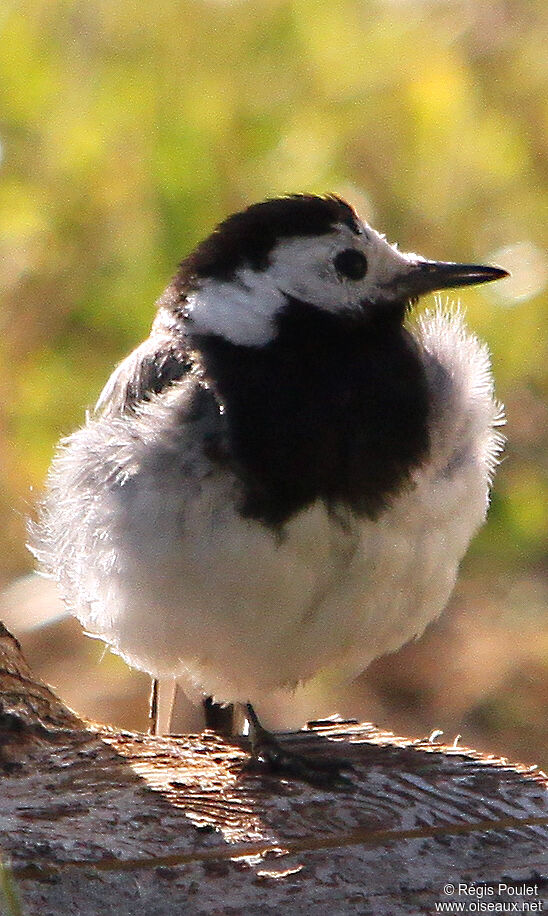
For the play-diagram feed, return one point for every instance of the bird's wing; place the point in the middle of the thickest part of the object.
(160, 360)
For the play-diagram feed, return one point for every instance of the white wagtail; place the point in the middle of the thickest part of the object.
(282, 479)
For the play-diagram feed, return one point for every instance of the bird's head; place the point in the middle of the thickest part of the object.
(302, 248)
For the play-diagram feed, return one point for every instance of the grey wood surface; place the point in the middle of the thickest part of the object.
(94, 821)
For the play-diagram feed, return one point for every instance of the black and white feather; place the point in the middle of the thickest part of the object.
(284, 478)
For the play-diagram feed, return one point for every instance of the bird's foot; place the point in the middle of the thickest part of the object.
(267, 752)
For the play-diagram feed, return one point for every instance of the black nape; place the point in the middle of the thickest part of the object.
(248, 237)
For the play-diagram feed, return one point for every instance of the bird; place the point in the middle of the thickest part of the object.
(280, 482)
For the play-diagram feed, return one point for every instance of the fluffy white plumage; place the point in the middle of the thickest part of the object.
(153, 557)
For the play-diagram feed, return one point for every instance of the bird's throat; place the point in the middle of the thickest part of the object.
(329, 410)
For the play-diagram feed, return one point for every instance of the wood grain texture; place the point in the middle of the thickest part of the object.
(94, 821)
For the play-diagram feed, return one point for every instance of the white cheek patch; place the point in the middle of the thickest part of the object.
(304, 268)
(241, 310)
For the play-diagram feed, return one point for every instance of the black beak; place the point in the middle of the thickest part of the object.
(428, 276)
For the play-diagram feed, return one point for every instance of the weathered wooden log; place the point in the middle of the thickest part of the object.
(95, 821)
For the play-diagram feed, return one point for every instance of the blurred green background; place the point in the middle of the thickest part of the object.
(128, 129)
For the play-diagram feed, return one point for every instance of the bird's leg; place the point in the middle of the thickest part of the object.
(169, 711)
(268, 751)
(153, 708)
(218, 717)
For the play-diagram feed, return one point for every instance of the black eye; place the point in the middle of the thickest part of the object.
(351, 263)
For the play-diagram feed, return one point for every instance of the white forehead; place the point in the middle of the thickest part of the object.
(244, 309)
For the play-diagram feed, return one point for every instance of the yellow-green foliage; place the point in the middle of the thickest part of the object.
(128, 129)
